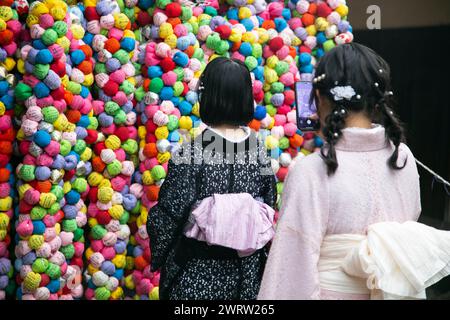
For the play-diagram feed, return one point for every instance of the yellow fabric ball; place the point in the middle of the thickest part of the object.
(162, 133)
(113, 142)
(185, 122)
(165, 30)
(342, 10)
(311, 30)
(147, 178)
(116, 211)
(244, 13)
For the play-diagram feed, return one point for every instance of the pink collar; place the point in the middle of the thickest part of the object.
(363, 140)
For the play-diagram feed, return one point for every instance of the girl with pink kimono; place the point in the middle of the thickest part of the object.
(347, 227)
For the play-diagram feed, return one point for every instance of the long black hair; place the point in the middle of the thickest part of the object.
(369, 75)
(225, 93)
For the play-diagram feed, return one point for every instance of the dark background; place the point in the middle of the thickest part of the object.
(413, 40)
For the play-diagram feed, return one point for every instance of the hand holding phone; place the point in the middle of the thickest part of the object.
(307, 118)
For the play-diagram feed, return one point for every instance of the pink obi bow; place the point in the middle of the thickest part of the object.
(235, 221)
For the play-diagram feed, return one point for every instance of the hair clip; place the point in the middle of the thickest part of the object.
(358, 97)
(341, 93)
(377, 84)
(319, 78)
(381, 70)
(343, 111)
(336, 135)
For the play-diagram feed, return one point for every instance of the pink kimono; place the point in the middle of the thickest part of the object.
(363, 191)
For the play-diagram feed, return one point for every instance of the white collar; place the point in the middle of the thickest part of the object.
(245, 128)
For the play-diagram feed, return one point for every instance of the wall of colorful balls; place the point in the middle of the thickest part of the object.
(94, 97)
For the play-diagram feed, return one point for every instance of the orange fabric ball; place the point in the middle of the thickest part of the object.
(296, 141)
(98, 165)
(152, 192)
(4, 175)
(255, 124)
(87, 50)
(73, 116)
(174, 21)
(190, 51)
(86, 67)
(112, 45)
(268, 24)
(6, 37)
(43, 186)
(140, 263)
(150, 150)
(308, 19)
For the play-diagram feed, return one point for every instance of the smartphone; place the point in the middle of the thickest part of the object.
(307, 117)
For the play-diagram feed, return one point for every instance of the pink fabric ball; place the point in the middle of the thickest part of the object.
(280, 119)
(290, 129)
(287, 79)
(97, 245)
(163, 50)
(108, 253)
(169, 78)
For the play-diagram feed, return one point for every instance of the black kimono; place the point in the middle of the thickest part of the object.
(208, 272)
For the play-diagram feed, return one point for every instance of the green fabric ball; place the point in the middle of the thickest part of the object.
(283, 143)
(41, 70)
(26, 172)
(65, 147)
(69, 225)
(130, 146)
(60, 28)
(210, 11)
(79, 146)
(195, 27)
(53, 271)
(80, 185)
(257, 50)
(114, 168)
(267, 97)
(40, 265)
(50, 114)
(93, 123)
(127, 87)
(222, 47)
(78, 235)
(186, 13)
(112, 108)
(279, 187)
(37, 213)
(74, 87)
(68, 251)
(122, 56)
(49, 37)
(213, 41)
(158, 173)
(198, 54)
(101, 293)
(277, 87)
(179, 72)
(124, 217)
(104, 32)
(100, 68)
(271, 110)
(139, 94)
(120, 117)
(189, 27)
(173, 123)
(204, 22)
(137, 208)
(178, 88)
(22, 91)
(281, 68)
(54, 209)
(329, 45)
(156, 84)
(98, 232)
(251, 63)
(58, 192)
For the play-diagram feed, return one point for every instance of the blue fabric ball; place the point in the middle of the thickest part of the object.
(108, 267)
(3, 88)
(42, 173)
(320, 53)
(42, 138)
(233, 14)
(70, 212)
(176, 101)
(29, 258)
(88, 37)
(38, 227)
(8, 101)
(91, 285)
(259, 73)
(260, 113)
(305, 59)
(245, 49)
(128, 44)
(74, 154)
(84, 92)
(72, 197)
(321, 38)
(185, 108)
(41, 90)
(145, 4)
(286, 13)
(84, 121)
(248, 24)
(118, 274)
(38, 44)
(154, 72)
(166, 93)
(307, 69)
(181, 59)
(260, 21)
(44, 57)
(53, 286)
(174, 136)
(192, 97)
(318, 141)
(280, 24)
(183, 43)
(77, 56)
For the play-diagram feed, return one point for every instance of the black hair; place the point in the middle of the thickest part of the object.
(358, 66)
(225, 93)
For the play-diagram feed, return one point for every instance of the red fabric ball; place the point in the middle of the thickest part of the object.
(323, 10)
(25, 207)
(151, 138)
(77, 261)
(4, 160)
(122, 133)
(143, 18)
(305, 49)
(173, 10)
(224, 31)
(103, 217)
(289, 97)
(90, 14)
(59, 68)
(233, 22)
(150, 126)
(167, 64)
(276, 44)
(110, 88)
(58, 94)
(45, 280)
(91, 137)
(69, 174)
(92, 195)
(185, 90)
(99, 147)
(282, 173)
(312, 8)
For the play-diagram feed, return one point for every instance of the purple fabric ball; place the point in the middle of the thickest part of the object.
(58, 162)
(29, 67)
(105, 120)
(42, 173)
(154, 32)
(70, 212)
(3, 282)
(102, 96)
(120, 246)
(29, 258)
(129, 201)
(108, 267)
(112, 65)
(31, 56)
(301, 33)
(216, 21)
(71, 162)
(343, 26)
(81, 133)
(5, 265)
(137, 251)
(52, 80)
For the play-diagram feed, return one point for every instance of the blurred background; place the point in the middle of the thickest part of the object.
(413, 39)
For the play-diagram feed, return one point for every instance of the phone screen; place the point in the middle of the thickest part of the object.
(307, 118)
